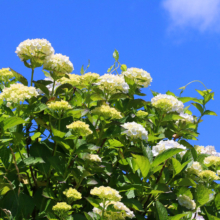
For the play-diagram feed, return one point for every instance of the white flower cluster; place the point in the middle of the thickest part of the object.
(93, 157)
(123, 211)
(59, 64)
(17, 93)
(140, 76)
(111, 83)
(207, 150)
(35, 48)
(135, 130)
(165, 145)
(186, 202)
(106, 193)
(195, 168)
(186, 118)
(6, 74)
(167, 103)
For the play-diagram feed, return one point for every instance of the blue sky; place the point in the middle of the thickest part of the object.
(175, 41)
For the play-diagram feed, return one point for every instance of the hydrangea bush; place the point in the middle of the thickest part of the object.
(86, 146)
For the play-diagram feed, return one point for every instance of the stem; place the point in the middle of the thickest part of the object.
(69, 161)
(103, 210)
(53, 88)
(32, 76)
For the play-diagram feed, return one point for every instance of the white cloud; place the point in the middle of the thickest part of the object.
(200, 14)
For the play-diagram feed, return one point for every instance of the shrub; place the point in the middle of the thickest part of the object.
(85, 147)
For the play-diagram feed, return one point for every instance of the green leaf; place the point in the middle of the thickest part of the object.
(176, 166)
(198, 106)
(211, 217)
(61, 88)
(58, 164)
(217, 201)
(184, 182)
(12, 121)
(116, 55)
(172, 117)
(165, 155)
(5, 155)
(118, 96)
(177, 217)
(48, 193)
(136, 103)
(31, 160)
(94, 202)
(202, 93)
(147, 152)
(143, 163)
(123, 67)
(154, 93)
(110, 68)
(207, 112)
(161, 211)
(46, 74)
(202, 194)
(42, 87)
(82, 70)
(170, 93)
(133, 204)
(19, 77)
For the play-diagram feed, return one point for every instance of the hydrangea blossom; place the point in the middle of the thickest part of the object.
(106, 193)
(185, 201)
(61, 209)
(35, 48)
(80, 128)
(73, 80)
(72, 194)
(167, 103)
(135, 131)
(208, 175)
(212, 160)
(111, 83)
(58, 63)
(140, 76)
(141, 114)
(89, 78)
(6, 74)
(107, 112)
(59, 105)
(207, 150)
(218, 172)
(186, 118)
(93, 157)
(17, 93)
(195, 168)
(165, 145)
(122, 212)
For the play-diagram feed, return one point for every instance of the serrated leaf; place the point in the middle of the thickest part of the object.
(198, 106)
(143, 163)
(12, 121)
(161, 211)
(116, 55)
(208, 112)
(165, 155)
(19, 77)
(202, 194)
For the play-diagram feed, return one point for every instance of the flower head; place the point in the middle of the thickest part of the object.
(165, 145)
(122, 211)
(61, 209)
(135, 130)
(72, 194)
(186, 202)
(167, 103)
(106, 193)
(141, 114)
(80, 128)
(89, 78)
(34, 49)
(17, 93)
(6, 74)
(59, 105)
(140, 76)
(73, 80)
(112, 84)
(93, 157)
(218, 172)
(209, 175)
(186, 118)
(58, 63)
(212, 160)
(107, 112)
(195, 168)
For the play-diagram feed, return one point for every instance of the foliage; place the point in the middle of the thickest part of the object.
(89, 147)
